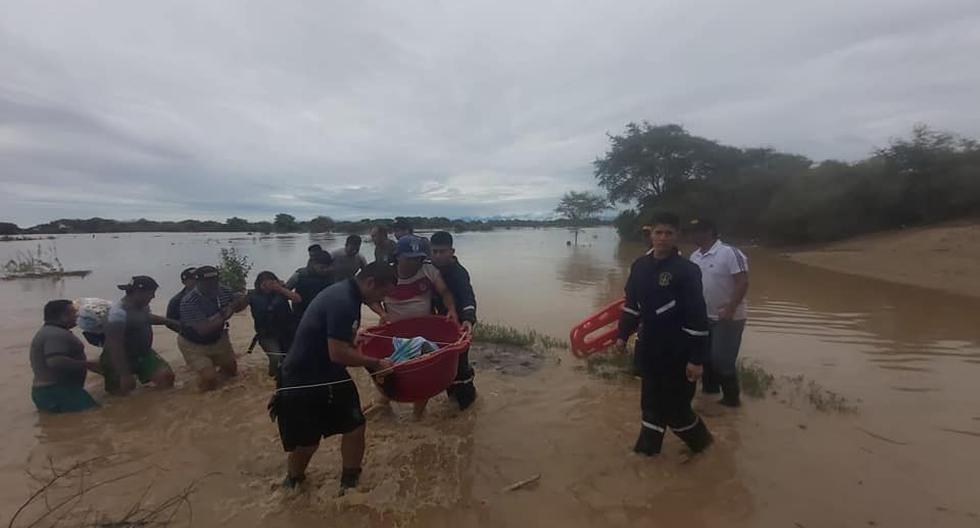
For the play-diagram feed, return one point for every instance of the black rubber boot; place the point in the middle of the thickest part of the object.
(697, 438)
(464, 394)
(349, 479)
(709, 380)
(729, 387)
(292, 482)
(649, 442)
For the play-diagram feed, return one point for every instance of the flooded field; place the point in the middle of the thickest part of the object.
(898, 444)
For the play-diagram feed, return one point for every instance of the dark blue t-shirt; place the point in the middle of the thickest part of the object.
(334, 314)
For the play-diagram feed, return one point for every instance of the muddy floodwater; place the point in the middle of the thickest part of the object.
(873, 420)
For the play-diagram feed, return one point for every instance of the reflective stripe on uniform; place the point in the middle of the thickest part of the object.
(470, 307)
(461, 382)
(700, 333)
(682, 429)
(631, 311)
(666, 307)
(649, 425)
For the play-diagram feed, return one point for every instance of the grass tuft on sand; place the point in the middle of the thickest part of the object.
(507, 335)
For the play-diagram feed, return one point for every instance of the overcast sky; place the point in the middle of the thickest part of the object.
(208, 109)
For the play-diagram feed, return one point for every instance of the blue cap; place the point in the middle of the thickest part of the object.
(410, 246)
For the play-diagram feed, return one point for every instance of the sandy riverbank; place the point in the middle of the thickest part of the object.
(938, 257)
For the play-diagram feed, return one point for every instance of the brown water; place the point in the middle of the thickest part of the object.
(906, 358)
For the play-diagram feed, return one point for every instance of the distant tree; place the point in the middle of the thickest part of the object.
(6, 228)
(321, 224)
(647, 161)
(285, 223)
(579, 207)
(238, 224)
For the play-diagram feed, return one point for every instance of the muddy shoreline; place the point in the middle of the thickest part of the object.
(943, 257)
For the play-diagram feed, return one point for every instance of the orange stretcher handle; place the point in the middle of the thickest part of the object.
(594, 333)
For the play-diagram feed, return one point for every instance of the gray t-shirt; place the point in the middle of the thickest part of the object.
(136, 328)
(346, 266)
(51, 341)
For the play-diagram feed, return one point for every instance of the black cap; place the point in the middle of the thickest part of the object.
(187, 274)
(322, 257)
(701, 224)
(206, 272)
(315, 248)
(140, 283)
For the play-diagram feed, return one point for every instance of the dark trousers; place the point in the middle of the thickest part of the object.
(720, 370)
(462, 390)
(665, 399)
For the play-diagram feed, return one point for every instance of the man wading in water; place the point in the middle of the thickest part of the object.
(318, 398)
(128, 353)
(663, 293)
(457, 279)
(309, 282)
(204, 341)
(418, 281)
(725, 276)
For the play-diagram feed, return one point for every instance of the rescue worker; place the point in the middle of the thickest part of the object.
(663, 294)
(317, 398)
(457, 279)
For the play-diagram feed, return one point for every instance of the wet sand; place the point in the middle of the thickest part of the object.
(939, 257)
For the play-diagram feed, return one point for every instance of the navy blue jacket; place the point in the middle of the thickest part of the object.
(457, 279)
(664, 296)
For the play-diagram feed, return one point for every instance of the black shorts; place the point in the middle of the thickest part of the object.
(307, 415)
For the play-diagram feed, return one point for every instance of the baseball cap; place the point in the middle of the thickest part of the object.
(187, 274)
(139, 283)
(206, 272)
(409, 246)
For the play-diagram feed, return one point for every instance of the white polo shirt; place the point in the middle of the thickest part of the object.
(718, 265)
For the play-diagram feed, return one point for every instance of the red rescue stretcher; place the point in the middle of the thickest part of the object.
(425, 376)
(584, 343)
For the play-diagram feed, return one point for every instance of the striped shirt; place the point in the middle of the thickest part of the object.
(196, 307)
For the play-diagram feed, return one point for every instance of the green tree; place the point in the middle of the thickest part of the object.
(647, 161)
(233, 270)
(580, 207)
(237, 224)
(321, 224)
(285, 223)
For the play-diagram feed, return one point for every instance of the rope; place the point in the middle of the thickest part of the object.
(330, 383)
(440, 343)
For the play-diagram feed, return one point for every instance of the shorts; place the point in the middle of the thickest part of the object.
(143, 366)
(307, 415)
(200, 357)
(62, 398)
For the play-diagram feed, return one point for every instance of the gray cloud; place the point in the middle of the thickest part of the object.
(213, 109)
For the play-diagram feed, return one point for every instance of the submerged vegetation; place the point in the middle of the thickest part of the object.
(37, 264)
(234, 269)
(753, 379)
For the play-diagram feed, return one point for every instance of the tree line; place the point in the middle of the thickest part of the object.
(281, 223)
(787, 198)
